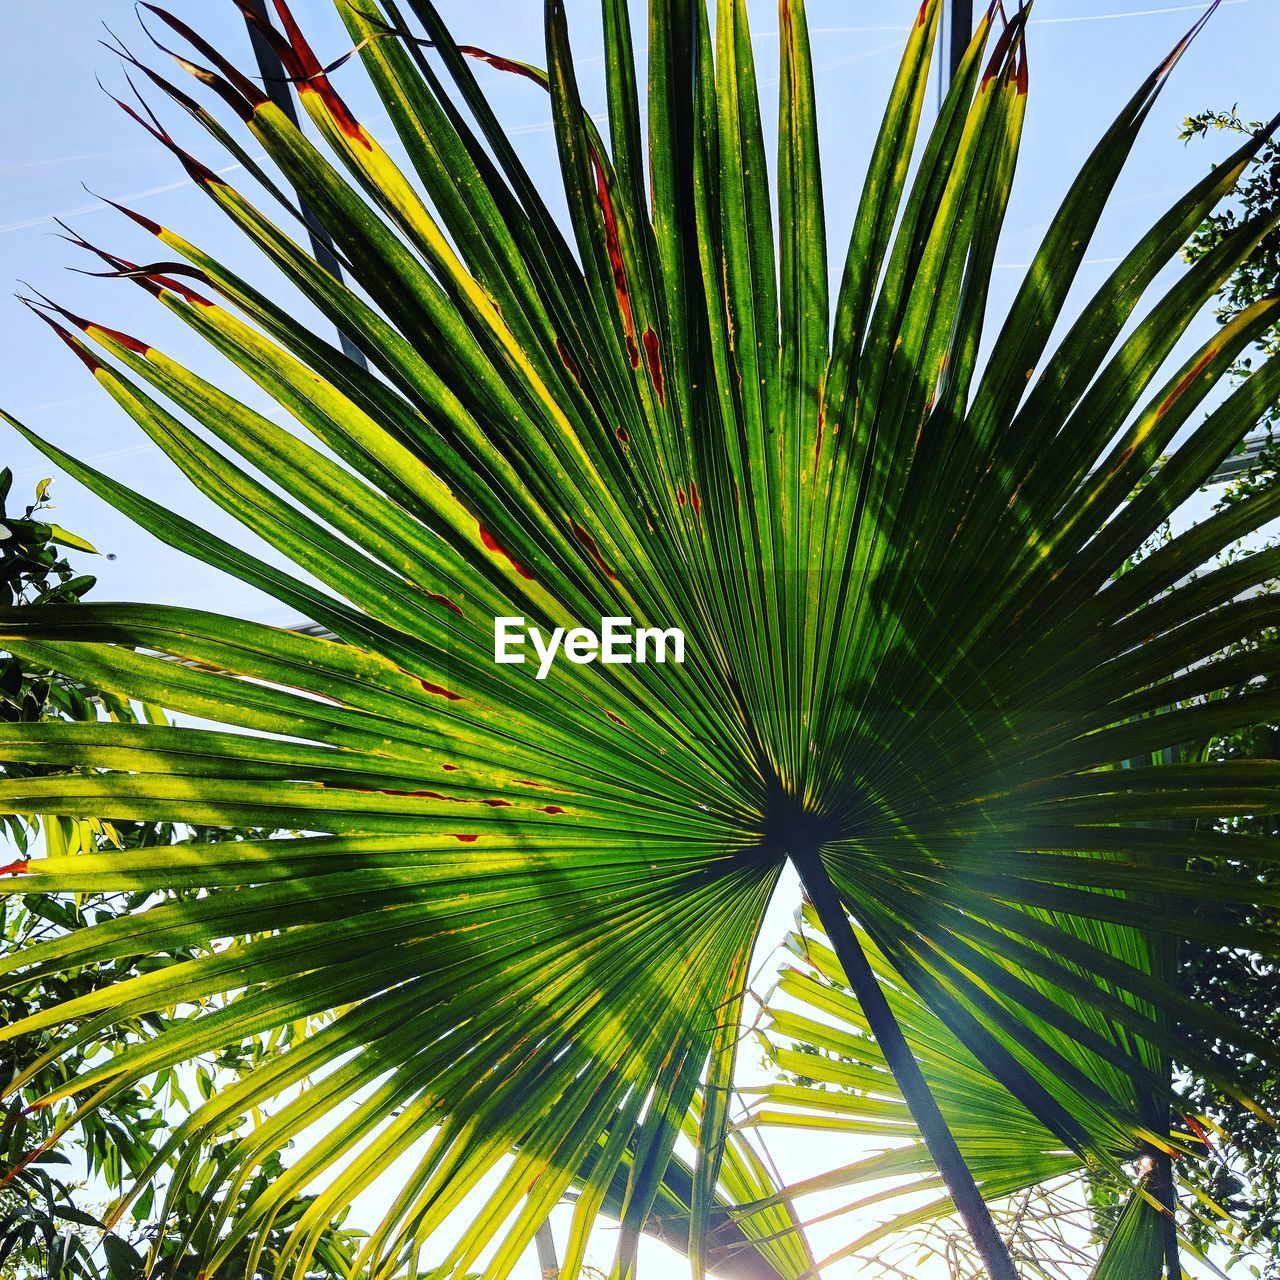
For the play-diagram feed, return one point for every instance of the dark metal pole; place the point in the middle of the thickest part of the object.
(906, 1071)
(275, 83)
(959, 33)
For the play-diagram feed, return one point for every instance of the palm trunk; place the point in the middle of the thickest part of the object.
(906, 1072)
(1162, 1187)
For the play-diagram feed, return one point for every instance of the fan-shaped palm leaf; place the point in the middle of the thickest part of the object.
(910, 665)
(833, 1078)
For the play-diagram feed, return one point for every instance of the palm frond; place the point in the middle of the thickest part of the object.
(915, 664)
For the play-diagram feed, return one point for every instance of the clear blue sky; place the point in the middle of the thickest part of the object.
(57, 130)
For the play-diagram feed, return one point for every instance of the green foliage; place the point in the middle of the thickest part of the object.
(1241, 1172)
(516, 916)
(51, 1225)
(1257, 275)
(33, 570)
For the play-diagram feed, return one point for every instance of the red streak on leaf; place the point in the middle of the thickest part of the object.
(616, 719)
(592, 549)
(551, 808)
(18, 868)
(1191, 375)
(997, 57)
(451, 768)
(500, 63)
(87, 326)
(653, 353)
(444, 600)
(184, 291)
(236, 80)
(624, 436)
(528, 782)
(492, 543)
(681, 497)
(1198, 1129)
(498, 804)
(440, 691)
(388, 791)
(309, 72)
(924, 8)
(199, 173)
(466, 839)
(1012, 28)
(87, 358)
(129, 343)
(196, 171)
(613, 246)
(569, 362)
(695, 499)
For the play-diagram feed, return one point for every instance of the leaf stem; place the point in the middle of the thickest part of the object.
(942, 1146)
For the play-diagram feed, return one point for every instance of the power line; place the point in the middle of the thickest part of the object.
(867, 28)
(1129, 13)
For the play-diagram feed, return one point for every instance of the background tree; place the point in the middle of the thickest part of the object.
(1243, 1170)
(1256, 196)
(1057, 1229)
(52, 1202)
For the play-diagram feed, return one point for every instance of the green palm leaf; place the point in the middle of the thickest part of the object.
(914, 666)
(834, 1079)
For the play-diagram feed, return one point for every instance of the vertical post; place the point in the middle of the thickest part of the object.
(1165, 1191)
(938, 1138)
(275, 84)
(955, 32)
(959, 33)
(546, 1243)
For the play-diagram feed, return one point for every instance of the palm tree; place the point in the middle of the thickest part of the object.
(833, 1077)
(920, 664)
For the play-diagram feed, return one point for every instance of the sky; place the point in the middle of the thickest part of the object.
(60, 134)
